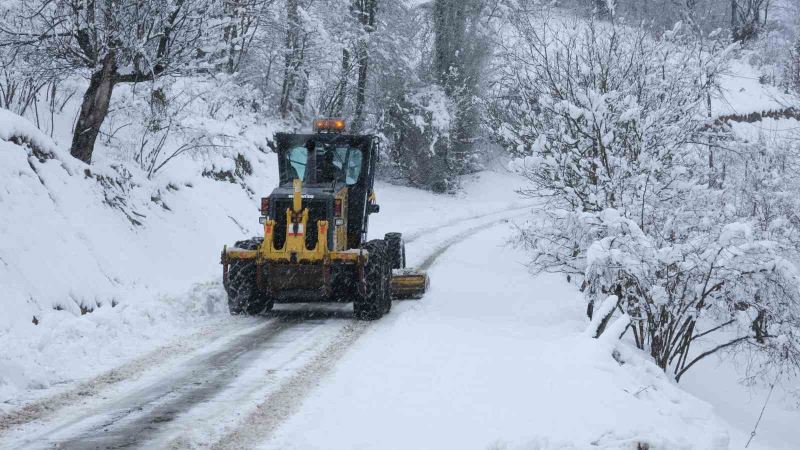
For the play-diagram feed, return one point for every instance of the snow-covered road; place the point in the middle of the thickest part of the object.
(493, 359)
(224, 387)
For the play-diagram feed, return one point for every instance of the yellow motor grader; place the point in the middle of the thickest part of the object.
(315, 246)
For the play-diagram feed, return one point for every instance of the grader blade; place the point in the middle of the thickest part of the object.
(409, 283)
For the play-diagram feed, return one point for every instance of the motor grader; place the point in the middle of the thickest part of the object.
(315, 246)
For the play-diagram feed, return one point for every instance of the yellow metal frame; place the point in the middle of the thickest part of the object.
(340, 232)
(294, 249)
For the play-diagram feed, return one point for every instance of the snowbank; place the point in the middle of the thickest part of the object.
(104, 238)
(20, 131)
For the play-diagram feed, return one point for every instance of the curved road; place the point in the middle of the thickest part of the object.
(231, 389)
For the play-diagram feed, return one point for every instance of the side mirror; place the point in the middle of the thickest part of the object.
(373, 208)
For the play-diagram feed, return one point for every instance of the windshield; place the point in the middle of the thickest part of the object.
(324, 163)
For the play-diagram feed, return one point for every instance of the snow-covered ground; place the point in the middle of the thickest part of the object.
(741, 91)
(493, 359)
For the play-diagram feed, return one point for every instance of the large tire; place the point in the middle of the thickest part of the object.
(373, 305)
(244, 296)
(396, 249)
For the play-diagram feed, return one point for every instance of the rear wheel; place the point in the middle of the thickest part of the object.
(244, 296)
(373, 305)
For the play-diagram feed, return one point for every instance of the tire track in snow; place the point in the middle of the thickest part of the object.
(443, 247)
(288, 398)
(46, 407)
(134, 418)
(415, 235)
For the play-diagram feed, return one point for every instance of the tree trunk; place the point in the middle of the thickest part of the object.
(361, 86)
(450, 27)
(293, 57)
(94, 110)
(443, 40)
(367, 19)
(601, 9)
(231, 34)
(341, 91)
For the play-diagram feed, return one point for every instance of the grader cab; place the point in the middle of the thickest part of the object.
(314, 247)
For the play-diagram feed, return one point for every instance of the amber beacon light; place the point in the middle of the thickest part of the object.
(329, 125)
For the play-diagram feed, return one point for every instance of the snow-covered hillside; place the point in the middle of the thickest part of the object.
(104, 239)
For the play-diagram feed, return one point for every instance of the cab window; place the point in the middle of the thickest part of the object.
(297, 159)
(330, 163)
(353, 167)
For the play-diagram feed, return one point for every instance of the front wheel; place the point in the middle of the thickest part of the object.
(373, 305)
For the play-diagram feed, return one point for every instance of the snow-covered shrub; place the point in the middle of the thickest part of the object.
(18, 91)
(696, 241)
(680, 292)
(737, 279)
(791, 73)
(32, 91)
(602, 115)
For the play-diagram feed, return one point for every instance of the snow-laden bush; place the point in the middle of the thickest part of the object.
(682, 291)
(695, 240)
(791, 70)
(602, 115)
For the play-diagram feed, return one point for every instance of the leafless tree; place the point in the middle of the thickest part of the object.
(747, 18)
(112, 42)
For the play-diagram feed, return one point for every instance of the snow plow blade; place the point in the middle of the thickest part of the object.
(409, 283)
